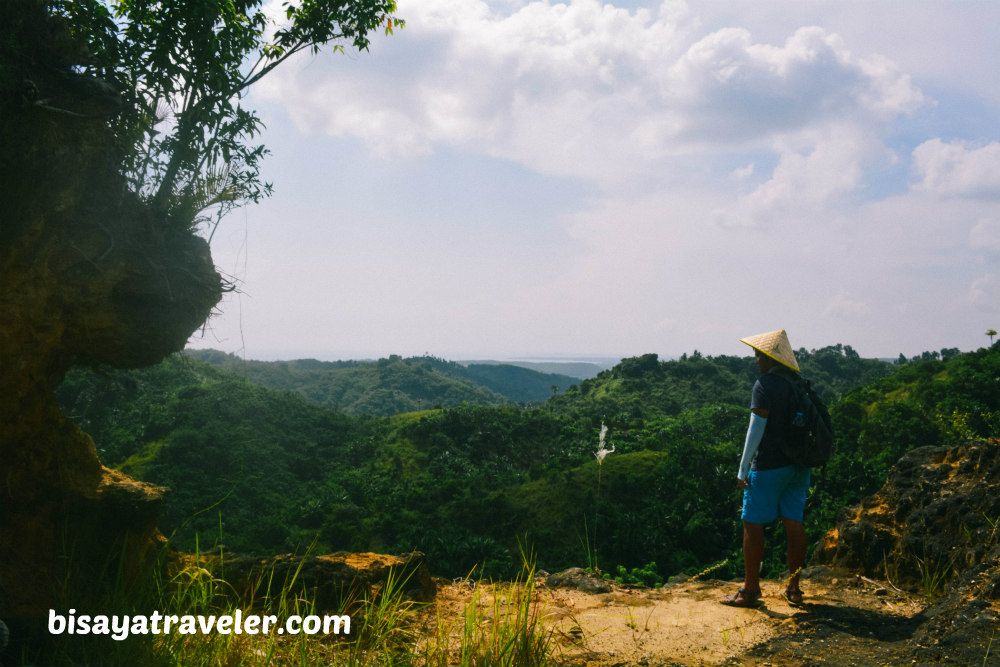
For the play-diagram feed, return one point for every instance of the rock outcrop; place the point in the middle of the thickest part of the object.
(329, 581)
(934, 528)
(579, 579)
(936, 515)
(88, 275)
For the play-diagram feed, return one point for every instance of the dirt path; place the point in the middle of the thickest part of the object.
(845, 622)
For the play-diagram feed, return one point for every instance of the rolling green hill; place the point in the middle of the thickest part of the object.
(264, 470)
(578, 370)
(393, 385)
(644, 387)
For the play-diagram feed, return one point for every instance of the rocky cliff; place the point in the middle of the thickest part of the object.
(933, 530)
(88, 274)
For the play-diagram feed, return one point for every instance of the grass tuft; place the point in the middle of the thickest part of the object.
(501, 626)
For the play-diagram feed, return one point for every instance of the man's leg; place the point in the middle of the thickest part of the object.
(753, 554)
(796, 533)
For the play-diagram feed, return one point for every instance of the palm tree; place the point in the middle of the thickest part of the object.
(991, 333)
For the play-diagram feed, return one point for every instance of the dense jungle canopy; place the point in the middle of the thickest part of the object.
(263, 470)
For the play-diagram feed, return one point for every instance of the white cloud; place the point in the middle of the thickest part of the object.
(811, 171)
(729, 88)
(665, 122)
(591, 90)
(958, 169)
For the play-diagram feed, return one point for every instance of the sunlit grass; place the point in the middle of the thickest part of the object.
(500, 627)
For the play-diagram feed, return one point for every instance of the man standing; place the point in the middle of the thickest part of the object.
(772, 485)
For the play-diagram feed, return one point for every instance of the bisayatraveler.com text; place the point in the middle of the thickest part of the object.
(121, 626)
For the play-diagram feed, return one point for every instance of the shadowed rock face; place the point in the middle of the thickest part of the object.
(934, 528)
(937, 511)
(330, 581)
(88, 274)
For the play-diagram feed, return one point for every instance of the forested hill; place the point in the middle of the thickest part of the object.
(390, 386)
(267, 471)
(645, 387)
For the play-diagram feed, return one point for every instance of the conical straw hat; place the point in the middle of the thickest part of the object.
(775, 345)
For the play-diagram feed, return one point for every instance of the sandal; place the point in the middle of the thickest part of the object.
(743, 598)
(794, 597)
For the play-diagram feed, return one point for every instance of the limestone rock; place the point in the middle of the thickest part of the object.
(579, 579)
(935, 511)
(937, 519)
(89, 274)
(331, 578)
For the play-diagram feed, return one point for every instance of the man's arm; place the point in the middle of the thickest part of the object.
(755, 433)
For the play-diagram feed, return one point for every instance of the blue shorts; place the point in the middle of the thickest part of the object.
(773, 493)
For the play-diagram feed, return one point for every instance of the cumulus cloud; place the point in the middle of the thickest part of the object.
(591, 90)
(727, 87)
(958, 169)
(811, 172)
(664, 125)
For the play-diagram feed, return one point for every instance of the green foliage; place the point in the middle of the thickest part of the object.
(646, 575)
(521, 385)
(138, 464)
(265, 470)
(262, 459)
(393, 385)
(117, 407)
(927, 402)
(665, 505)
(182, 69)
(643, 388)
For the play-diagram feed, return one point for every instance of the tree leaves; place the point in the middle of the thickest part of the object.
(183, 68)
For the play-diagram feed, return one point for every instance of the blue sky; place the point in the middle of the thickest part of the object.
(523, 178)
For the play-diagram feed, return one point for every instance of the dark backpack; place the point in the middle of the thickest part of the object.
(809, 437)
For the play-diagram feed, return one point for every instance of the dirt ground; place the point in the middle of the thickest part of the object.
(845, 622)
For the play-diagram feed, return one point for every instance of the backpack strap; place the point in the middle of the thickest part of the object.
(799, 384)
